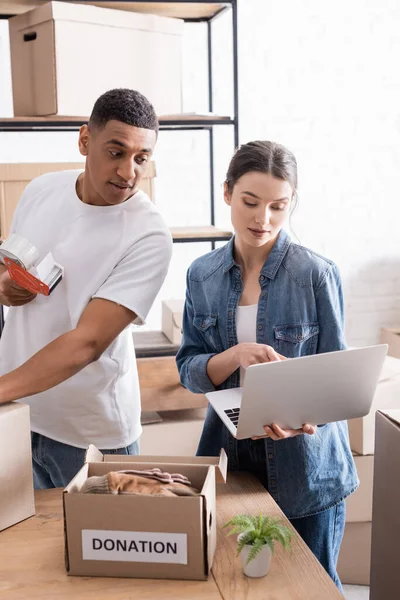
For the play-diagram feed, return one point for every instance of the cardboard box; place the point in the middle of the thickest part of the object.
(160, 387)
(359, 504)
(391, 336)
(142, 536)
(385, 555)
(15, 177)
(355, 555)
(387, 396)
(172, 313)
(65, 55)
(16, 482)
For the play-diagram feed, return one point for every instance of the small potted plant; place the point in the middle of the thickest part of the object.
(256, 539)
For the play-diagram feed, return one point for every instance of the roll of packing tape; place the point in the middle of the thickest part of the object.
(19, 250)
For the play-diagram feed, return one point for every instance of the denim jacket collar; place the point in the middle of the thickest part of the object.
(273, 261)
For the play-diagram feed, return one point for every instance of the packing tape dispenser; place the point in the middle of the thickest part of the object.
(20, 257)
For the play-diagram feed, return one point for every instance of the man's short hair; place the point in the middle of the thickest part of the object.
(127, 106)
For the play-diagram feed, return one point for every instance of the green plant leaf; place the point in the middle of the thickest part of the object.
(258, 531)
(255, 550)
(240, 524)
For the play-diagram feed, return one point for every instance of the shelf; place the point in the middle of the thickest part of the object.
(190, 11)
(188, 120)
(56, 123)
(152, 343)
(207, 233)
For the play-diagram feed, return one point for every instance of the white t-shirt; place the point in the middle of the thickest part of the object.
(120, 253)
(246, 328)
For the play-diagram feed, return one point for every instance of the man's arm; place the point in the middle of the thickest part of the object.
(101, 322)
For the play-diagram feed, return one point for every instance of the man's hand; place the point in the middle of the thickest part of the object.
(252, 354)
(11, 294)
(276, 433)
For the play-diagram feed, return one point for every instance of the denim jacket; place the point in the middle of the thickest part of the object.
(300, 312)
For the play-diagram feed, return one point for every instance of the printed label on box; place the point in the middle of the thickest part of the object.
(134, 546)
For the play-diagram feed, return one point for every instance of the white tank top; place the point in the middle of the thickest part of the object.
(246, 327)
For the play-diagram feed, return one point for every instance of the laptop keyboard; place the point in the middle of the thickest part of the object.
(233, 414)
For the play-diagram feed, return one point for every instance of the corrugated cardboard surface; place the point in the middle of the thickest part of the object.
(16, 484)
(193, 516)
(15, 177)
(385, 556)
(391, 336)
(172, 313)
(387, 396)
(62, 47)
(355, 555)
(359, 504)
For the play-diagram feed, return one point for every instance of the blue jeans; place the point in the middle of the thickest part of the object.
(322, 532)
(55, 464)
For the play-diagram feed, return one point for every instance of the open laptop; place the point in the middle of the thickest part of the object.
(315, 389)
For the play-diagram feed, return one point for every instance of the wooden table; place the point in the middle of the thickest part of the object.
(32, 560)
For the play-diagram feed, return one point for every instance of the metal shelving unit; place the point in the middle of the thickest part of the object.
(191, 11)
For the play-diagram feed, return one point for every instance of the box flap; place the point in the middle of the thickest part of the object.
(219, 462)
(393, 415)
(93, 455)
(222, 469)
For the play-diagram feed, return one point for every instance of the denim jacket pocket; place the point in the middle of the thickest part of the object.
(208, 327)
(296, 340)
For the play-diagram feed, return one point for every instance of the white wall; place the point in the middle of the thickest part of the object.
(322, 79)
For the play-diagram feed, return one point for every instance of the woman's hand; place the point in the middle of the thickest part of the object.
(276, 433)
(222, 365)
(253, 354)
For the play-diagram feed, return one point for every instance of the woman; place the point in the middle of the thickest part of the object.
(262, 298)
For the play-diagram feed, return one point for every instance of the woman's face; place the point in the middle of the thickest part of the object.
(260, 206)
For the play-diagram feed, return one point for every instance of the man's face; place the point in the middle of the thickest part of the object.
(116, 159)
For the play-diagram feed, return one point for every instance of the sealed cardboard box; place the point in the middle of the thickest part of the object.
(355, 555)
(385, 555)
(387, 396)
(65, 55)
(129, 535)
(16, 483)
(160, 387)
(391, 336)
(172, 312)
(15, 177)
(359, 504)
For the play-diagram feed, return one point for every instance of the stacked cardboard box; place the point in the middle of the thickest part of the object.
(387, 396)
(354, 558)
(60, 47)
(391, 336)
(16, 485)
(355, 553)
(172, 313)
(385, 555)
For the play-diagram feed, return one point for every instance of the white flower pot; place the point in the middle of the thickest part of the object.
(259, 566)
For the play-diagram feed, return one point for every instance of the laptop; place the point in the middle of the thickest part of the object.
(316, 389)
